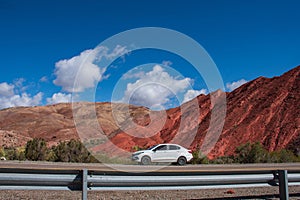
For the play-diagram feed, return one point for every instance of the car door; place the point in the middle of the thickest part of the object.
(160, 153)
(173, 153)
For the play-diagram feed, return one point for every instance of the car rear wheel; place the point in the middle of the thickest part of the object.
(146, 160)
(181, 161)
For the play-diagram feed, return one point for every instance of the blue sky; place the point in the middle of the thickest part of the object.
(42, 43)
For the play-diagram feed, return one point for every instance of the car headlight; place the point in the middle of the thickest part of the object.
(136, 154)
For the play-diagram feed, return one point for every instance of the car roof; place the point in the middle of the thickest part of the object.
(169, 144)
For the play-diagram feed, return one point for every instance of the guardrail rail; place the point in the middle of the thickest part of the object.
(85, 179)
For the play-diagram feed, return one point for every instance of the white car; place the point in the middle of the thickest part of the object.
(171, 153)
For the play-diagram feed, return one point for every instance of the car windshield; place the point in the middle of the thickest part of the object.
(152, 147)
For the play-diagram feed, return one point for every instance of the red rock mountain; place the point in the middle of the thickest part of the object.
(265, 110)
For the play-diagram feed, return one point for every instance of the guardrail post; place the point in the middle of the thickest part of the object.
(283, 185)
(84, 184)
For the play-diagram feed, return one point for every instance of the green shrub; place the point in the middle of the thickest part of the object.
(199, 158)
(283, 156)
(73, 151)
(251, 153)
(2, 152)
(224, 160)
(10, 153)
(36, 149)
(51, 155)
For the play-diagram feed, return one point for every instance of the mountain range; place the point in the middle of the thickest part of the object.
(264, 110)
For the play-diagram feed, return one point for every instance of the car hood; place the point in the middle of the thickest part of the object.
(139, 152)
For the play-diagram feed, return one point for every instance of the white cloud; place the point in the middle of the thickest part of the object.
(167, 63)
(44, 79)
(6, 89)
(19, 82)
(232, 86)
(19, 85)
(133, 75)
(26, 100)
(66, 71)
(90, 74)
(118, 50)
(11, 97)
(59, 98)
(154, 88)
(190, 94)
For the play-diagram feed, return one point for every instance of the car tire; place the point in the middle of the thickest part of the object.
(181, 161)
(146, 160)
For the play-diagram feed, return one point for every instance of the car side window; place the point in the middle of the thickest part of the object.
(173, 147)
(161, 148)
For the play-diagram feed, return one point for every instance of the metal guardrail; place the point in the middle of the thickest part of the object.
(84, 180)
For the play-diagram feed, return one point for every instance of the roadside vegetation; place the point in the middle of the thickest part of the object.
(250, 153)
(75, 151)
(37, 150)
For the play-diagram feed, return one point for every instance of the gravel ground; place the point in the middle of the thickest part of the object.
(269, 193)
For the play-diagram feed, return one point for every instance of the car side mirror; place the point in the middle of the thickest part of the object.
(154, 150)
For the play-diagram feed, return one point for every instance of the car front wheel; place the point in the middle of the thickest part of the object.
(146, 160)
(181, 161)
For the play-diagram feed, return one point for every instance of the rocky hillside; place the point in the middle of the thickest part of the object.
(265, 110)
